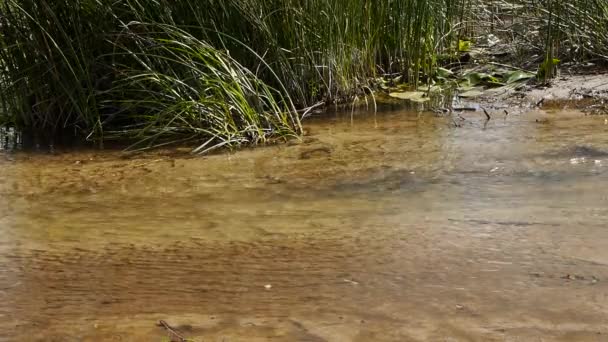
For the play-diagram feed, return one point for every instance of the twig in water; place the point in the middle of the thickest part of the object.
(308, 110)
(485, 124)
(488, 117)
(540, 103)
(148, 163)
(173, 334)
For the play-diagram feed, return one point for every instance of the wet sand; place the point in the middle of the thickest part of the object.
(394, 227)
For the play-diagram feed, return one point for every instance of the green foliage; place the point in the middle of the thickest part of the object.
(232, 72)
(516, 76)
(464, 45)
(548, 69)
(185, 86)
(414, 96)
(473, 78)
(226, 72)
(576, 29)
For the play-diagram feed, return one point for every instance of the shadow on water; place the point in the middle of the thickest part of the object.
(12, 140)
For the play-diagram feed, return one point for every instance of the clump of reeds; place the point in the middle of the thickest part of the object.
(231, 72)
(544, 32)
(185, 87)
(220, 71)
(579, 28)
(127, 71)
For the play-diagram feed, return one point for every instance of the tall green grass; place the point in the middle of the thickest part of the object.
(226, 72)
(232, 72)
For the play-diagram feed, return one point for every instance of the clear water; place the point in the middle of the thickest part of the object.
(390, 227)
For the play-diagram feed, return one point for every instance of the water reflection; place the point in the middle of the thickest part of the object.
(10, 139)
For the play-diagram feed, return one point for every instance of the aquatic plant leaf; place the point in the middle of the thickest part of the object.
(414, 96)
(516, 76)
(473, 79)
(444, 73)
(472, 93)
(436, 88)
(494, 83)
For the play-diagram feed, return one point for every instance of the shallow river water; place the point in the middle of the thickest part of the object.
(390, 227)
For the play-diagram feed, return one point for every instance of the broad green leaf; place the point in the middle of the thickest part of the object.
(414, 96)
(479, 78)
(516, 76)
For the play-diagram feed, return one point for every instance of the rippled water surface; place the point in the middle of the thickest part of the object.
(390, 227)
